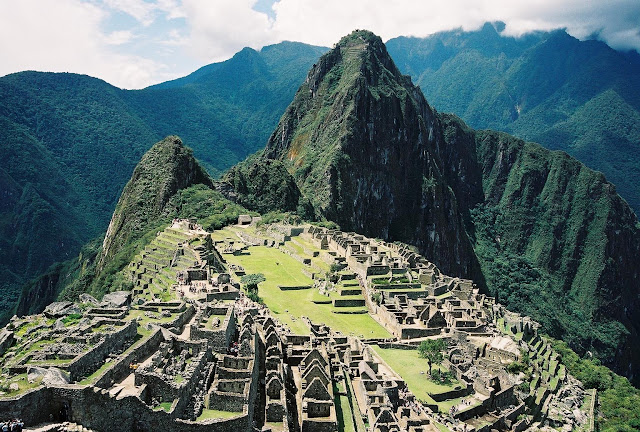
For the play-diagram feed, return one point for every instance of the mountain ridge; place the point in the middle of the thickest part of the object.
(539, 88)
(89, 135)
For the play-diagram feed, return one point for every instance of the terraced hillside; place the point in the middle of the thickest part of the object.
(155, 269)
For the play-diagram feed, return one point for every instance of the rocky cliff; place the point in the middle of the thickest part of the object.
(360, 141)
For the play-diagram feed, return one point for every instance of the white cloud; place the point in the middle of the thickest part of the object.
(119, 37)
(69, 35)
(65, 36)
(617, 21)
(221, 28)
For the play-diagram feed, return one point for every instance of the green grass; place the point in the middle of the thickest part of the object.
(281, 269)
(441, 427)
(136, 313)
(408, 365)
(91, 378)
(26, 326)
(166, 406)
(215, 414)
(343, 412)
(23, 384)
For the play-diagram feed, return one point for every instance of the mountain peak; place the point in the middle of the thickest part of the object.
(358, 139)
(167, 167)
(359, 37)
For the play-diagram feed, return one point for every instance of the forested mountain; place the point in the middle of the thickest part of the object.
(581, 97)
(70, 143)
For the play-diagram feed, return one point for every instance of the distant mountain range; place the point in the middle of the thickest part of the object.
(579, 97)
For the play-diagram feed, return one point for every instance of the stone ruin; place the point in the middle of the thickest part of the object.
(212, 364)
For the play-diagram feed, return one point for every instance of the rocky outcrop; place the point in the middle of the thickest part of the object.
(360, 141)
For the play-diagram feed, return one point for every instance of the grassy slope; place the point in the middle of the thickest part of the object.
(415, 371)
(290, 306)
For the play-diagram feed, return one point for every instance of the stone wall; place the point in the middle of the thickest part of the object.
(121, 368)
(348, 302)
(6, 340)
(220, 338)
(452, 394)
(95, 409)
(178, 323)
(294, 287)
(162, 387)
(93, 359)
(317, 425)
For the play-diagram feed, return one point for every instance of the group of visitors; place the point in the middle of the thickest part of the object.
(14, 425)
(233, 349)
(408, 402)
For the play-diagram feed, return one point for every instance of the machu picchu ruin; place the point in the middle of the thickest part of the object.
(329, 341)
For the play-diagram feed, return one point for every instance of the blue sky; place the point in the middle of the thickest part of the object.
(136, 43)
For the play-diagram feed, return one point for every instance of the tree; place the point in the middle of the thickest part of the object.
(251, 281)
(431, 349)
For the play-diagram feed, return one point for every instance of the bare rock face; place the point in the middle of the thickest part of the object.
(88, 299)
(61, 309)
(50, 376)
(117, 299)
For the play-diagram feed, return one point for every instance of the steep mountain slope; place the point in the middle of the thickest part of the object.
(70, 143)
(359, 140)
(165, 169)
(552, 237)
(580, 97)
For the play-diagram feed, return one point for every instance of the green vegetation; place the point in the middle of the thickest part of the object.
(431, 349)
(343, 411)
(413, 369)
(619, 401)
(251, 281)
(70, 143)
(71, 319)
(579, 97)
(543, 251)
(165, 406)
(289, 306)
(162, 188)
(21, 380)
(266, 186)
(216, 414)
